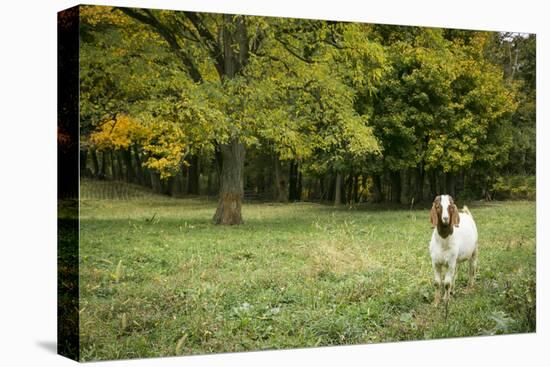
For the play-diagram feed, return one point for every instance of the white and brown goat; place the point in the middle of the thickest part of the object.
(454, 240)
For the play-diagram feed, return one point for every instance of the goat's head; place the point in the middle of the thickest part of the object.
(444, 212)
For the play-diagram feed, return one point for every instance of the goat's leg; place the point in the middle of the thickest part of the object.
(473, 268)
(437, 283)
(448, 281)
(453, 284)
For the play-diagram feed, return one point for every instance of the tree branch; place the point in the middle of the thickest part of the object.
(292, 52)
(214, 48)
(149, 19)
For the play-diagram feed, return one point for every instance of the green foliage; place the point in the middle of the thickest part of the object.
(297, 107)
(515, 188)
(330, 96)
(442, 105)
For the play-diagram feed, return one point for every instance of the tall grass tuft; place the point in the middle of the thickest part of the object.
(118, 272)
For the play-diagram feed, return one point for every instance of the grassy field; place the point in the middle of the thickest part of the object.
(158, 279)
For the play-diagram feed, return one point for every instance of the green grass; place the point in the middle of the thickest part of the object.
(158, 279)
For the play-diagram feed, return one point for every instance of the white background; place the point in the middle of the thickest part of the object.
(28, 181)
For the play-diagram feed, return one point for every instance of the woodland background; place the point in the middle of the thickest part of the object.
(278, 109)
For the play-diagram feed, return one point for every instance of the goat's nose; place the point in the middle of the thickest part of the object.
(445, 219)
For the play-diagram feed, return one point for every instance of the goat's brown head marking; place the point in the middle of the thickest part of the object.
(444, 215)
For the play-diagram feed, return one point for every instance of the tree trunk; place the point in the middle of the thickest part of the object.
(338, 189)
(114, 174)
(450, 184)
(130, 174)
(348, 194)
(155, 182)
(139, 168)
(101, 174)
(419, 185)
(95, 163)
(232, 153)
(364, 184)
(231, 185)
(331, 187)
(299, 184)
(408, 187)
(377, 194)
(396, 187)
(193, 174)
(293, 182)
(355, 193)
(433, 185)
(442, 182)
(168, 185)
(212, 186)
(119, 165)
(147, 177)
(281, 194)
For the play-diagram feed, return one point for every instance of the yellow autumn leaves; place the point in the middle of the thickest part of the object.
(163, 143)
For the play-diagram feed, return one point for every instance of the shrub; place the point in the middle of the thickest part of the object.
(515, 188)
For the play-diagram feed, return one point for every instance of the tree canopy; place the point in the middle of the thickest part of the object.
(324, 110)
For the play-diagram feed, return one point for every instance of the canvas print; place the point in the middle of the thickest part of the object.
(235, 183)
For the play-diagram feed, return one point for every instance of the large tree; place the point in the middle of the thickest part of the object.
(263, 74)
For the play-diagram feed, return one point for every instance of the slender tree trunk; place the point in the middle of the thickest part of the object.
(114, 174)
(168, 186)
(139, 167)
(103, 166)
(293, 182)
(460, 183)
(193, 175)
(299, 184)
(147, 177)
(331, 187)
(450, 184)
(269, 180)
(130, 174)
(281, 194)
(155, 182)
(231, 190)
(377, 194)
(338, 189)
(396, 187)
(95, 163)
(419, 184)
(119, 165)
(209, 184)
(408, 189)
(356, 187)
(433, 185)
(363, 186)
(441, 183)
(349, 188)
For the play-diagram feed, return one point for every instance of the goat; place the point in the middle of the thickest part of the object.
(454, 240)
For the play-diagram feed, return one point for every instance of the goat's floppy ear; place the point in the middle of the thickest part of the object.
(433, 216)
(455, 217)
